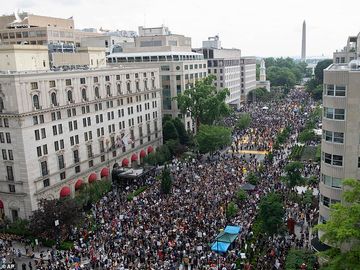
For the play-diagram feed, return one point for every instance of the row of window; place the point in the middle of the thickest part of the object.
(4, 136)
(326, 201)
(331, 181)
(332, 136)
(335, 90)
(335, 160)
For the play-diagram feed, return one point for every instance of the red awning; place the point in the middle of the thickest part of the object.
(92, 178)
(125, 162)
(65, 192)
(150, 149)
(78, 184)
(104, 172)
(134, 157)
(142, 154)
(1, 204)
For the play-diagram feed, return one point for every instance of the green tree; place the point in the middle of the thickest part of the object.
(169, 131)
(293, 174)
(281, 76)
(253, 178)
(231, 210)
(306, 135)
(42, 221)
(205, 103)
(296, 257)
(241, 195)
(180, 128)
(271, 213)
(211, 138)
(166, 181)
(244, 121)
(342, 230)
(150, 159)
(319, 70)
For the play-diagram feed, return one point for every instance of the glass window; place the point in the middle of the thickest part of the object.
(327, 158)
(338, 137)
(340, 91)
(339, 114)
(337, 160)
(330, 90)
(326, 201)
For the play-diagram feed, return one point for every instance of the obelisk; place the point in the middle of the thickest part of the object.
(303, 43)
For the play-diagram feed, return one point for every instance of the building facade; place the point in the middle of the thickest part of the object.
(248, 76)
(224, 64)
(59, 129)
(179, 67)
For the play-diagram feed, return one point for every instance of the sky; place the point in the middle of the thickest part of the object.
(258, 27)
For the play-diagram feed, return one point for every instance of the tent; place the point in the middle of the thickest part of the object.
(248, 187)
(220, 247)
(232, 229)
(226, 237)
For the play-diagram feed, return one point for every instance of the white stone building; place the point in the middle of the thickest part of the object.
(59, 129)
(248, 75)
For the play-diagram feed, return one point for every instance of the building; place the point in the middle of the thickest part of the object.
(59, 129)
(349, 52)
(339, 147)
(224, 64)
(26, 28)
(91, 57)
(248, 76)
(106, 41)
(303, 42)
(262, 82)
(179, 67)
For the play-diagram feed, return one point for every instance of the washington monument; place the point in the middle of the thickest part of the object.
(303, 43)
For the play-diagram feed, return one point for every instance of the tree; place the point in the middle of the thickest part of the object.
(259, 94)
(175, 147)
(342, 230)
(306, 135)
(296, 257)
(271, 213)
(42, 222)
(180, 128)
(244, 121)
(319, 70)
(231, 210)
(281, 76)
(169, 131)
(211, 138)
(293, 174)
(204, 102)
(253, 178)
(166, 181)
(241, 195)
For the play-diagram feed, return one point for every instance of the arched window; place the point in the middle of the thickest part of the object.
(97, 95)
(69, 96)
(36, 102)
(83, 94)
(108, 91)
(53, 99)
(1, 104)
(128, 87)
(118, 88)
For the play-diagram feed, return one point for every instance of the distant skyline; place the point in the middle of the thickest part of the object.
(261, 28)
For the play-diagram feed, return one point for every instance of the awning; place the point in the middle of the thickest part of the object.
(104, 172)
(226, 237)
(232, 229)
(92, 178)
(134, 157)
(1, 204)
(220, 247)
(125, 162)
(65, 192)
(142, 154)
(78, 184)
(150, 149)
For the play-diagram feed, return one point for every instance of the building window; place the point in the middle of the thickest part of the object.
(331, 181)
(69, 96)
(4, 154)
(68, 82)
(53, 99)
(46, 183)
(10, 173)
(335, 137)
(82, 81)
(108, 91)
(12, 188)
(83, 94)
(77, 169)
(97, 95)
(36, 103)
(52, 84)
(128, 87)
(76, 156)
(44, 168)
(61, 162)
(62, 175)
(335, 160)
(34, 85)
(332, 113)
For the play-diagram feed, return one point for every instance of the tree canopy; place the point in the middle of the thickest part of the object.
(342, 230)
(205, 103)
(244, 121)
(293, 174)
(271, 213)
(315, 85)
(211, 138)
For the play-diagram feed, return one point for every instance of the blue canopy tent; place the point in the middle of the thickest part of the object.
(232, 229)
(220, 247)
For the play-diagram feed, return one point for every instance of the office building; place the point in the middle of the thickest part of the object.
(60, 128)
(179, 67)
(224, 64)
(248, 76)
(106, 41)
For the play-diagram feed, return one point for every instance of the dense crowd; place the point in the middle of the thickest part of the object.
(158, 231)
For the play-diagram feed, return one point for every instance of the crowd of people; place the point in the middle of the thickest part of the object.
(174, 231)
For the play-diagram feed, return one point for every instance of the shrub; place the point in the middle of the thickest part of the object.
(253, 178)
(231, 210)
(131, 196)
(166, 181)
(66, 245)
(241, 195)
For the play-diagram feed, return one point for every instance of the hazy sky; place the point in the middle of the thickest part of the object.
(257, 27)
